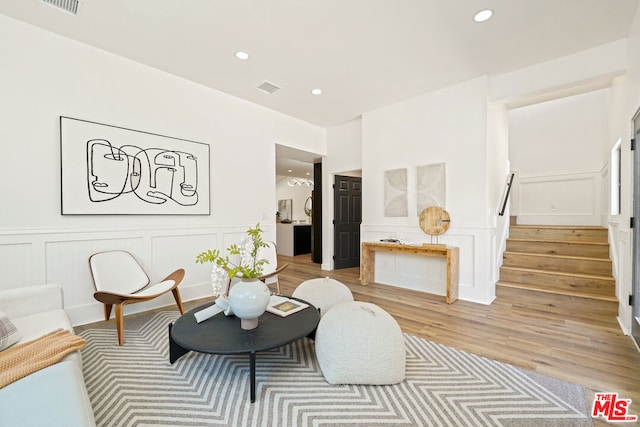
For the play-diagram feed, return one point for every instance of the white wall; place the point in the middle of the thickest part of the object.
(556, 148)
(446, 126)
(571, 129)
(498, 171)
(344, 157)
(43, 76)
(615, 65)
(624, 104)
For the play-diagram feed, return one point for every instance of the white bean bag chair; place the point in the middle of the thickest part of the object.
(360, 343)
(323, 293)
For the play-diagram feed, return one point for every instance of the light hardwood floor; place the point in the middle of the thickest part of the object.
(563, 337)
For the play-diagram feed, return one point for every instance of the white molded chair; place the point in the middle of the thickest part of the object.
(271, 269)
(119, 280)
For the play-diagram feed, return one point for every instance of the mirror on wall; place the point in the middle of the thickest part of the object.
(308, 207)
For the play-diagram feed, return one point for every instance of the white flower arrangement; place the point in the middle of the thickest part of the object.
(218, 277)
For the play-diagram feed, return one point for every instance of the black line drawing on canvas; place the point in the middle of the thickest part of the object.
(153, 175)
(112, 170)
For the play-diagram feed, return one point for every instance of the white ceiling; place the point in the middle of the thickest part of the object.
(363, 54)
(294, 162)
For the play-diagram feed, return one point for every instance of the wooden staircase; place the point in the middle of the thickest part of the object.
(566, 260)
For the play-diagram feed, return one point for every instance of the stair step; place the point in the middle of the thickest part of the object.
(559, 233)
(559, 260)
(563, 282)
(558, 263)
(554, 247)
(570, 292)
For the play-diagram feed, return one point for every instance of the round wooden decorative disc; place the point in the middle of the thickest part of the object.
(434, 220)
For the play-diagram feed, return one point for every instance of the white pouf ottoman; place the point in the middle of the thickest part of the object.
(323, 293)
(360, 343)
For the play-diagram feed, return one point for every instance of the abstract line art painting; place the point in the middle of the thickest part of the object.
(110, 170)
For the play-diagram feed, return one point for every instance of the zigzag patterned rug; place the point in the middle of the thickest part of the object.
(135, 385)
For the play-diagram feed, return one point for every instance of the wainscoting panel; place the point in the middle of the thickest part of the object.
(33, 257)
(477, 266)
(413, 272)
(621, 251)
(172, 252)
(67, 264)
(570, 198)
(17, 265)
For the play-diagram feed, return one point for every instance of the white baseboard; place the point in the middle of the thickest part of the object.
(625, 330)
(471, 294)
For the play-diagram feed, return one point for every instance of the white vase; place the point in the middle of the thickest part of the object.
(248, 300)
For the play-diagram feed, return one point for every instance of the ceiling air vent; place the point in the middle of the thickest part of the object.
(268, 87)
(69, 6)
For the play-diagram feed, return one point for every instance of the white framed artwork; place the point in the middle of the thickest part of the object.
(395, 193)
(430, 186)
(112, 170)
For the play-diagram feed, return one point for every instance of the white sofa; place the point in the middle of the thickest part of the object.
(53, 396)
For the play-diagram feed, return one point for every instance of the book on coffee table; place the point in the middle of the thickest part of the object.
(283, 306)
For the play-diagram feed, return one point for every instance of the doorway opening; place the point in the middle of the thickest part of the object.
(297, 214)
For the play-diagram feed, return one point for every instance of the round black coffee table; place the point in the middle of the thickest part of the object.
(222, 335)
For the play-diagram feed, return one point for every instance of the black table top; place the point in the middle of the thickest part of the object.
(223, 335)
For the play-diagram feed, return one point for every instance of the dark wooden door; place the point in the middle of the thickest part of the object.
(635, 311)
(347, 216)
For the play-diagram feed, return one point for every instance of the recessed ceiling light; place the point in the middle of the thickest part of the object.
(289, 170)
(483, 15)
(242, 55)
(316, 91)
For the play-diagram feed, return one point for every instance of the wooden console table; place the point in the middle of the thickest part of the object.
(368, 265)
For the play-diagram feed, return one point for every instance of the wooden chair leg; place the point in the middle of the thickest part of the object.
(120, 323)
(107, 311)
(278, 286)
(176, 296)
